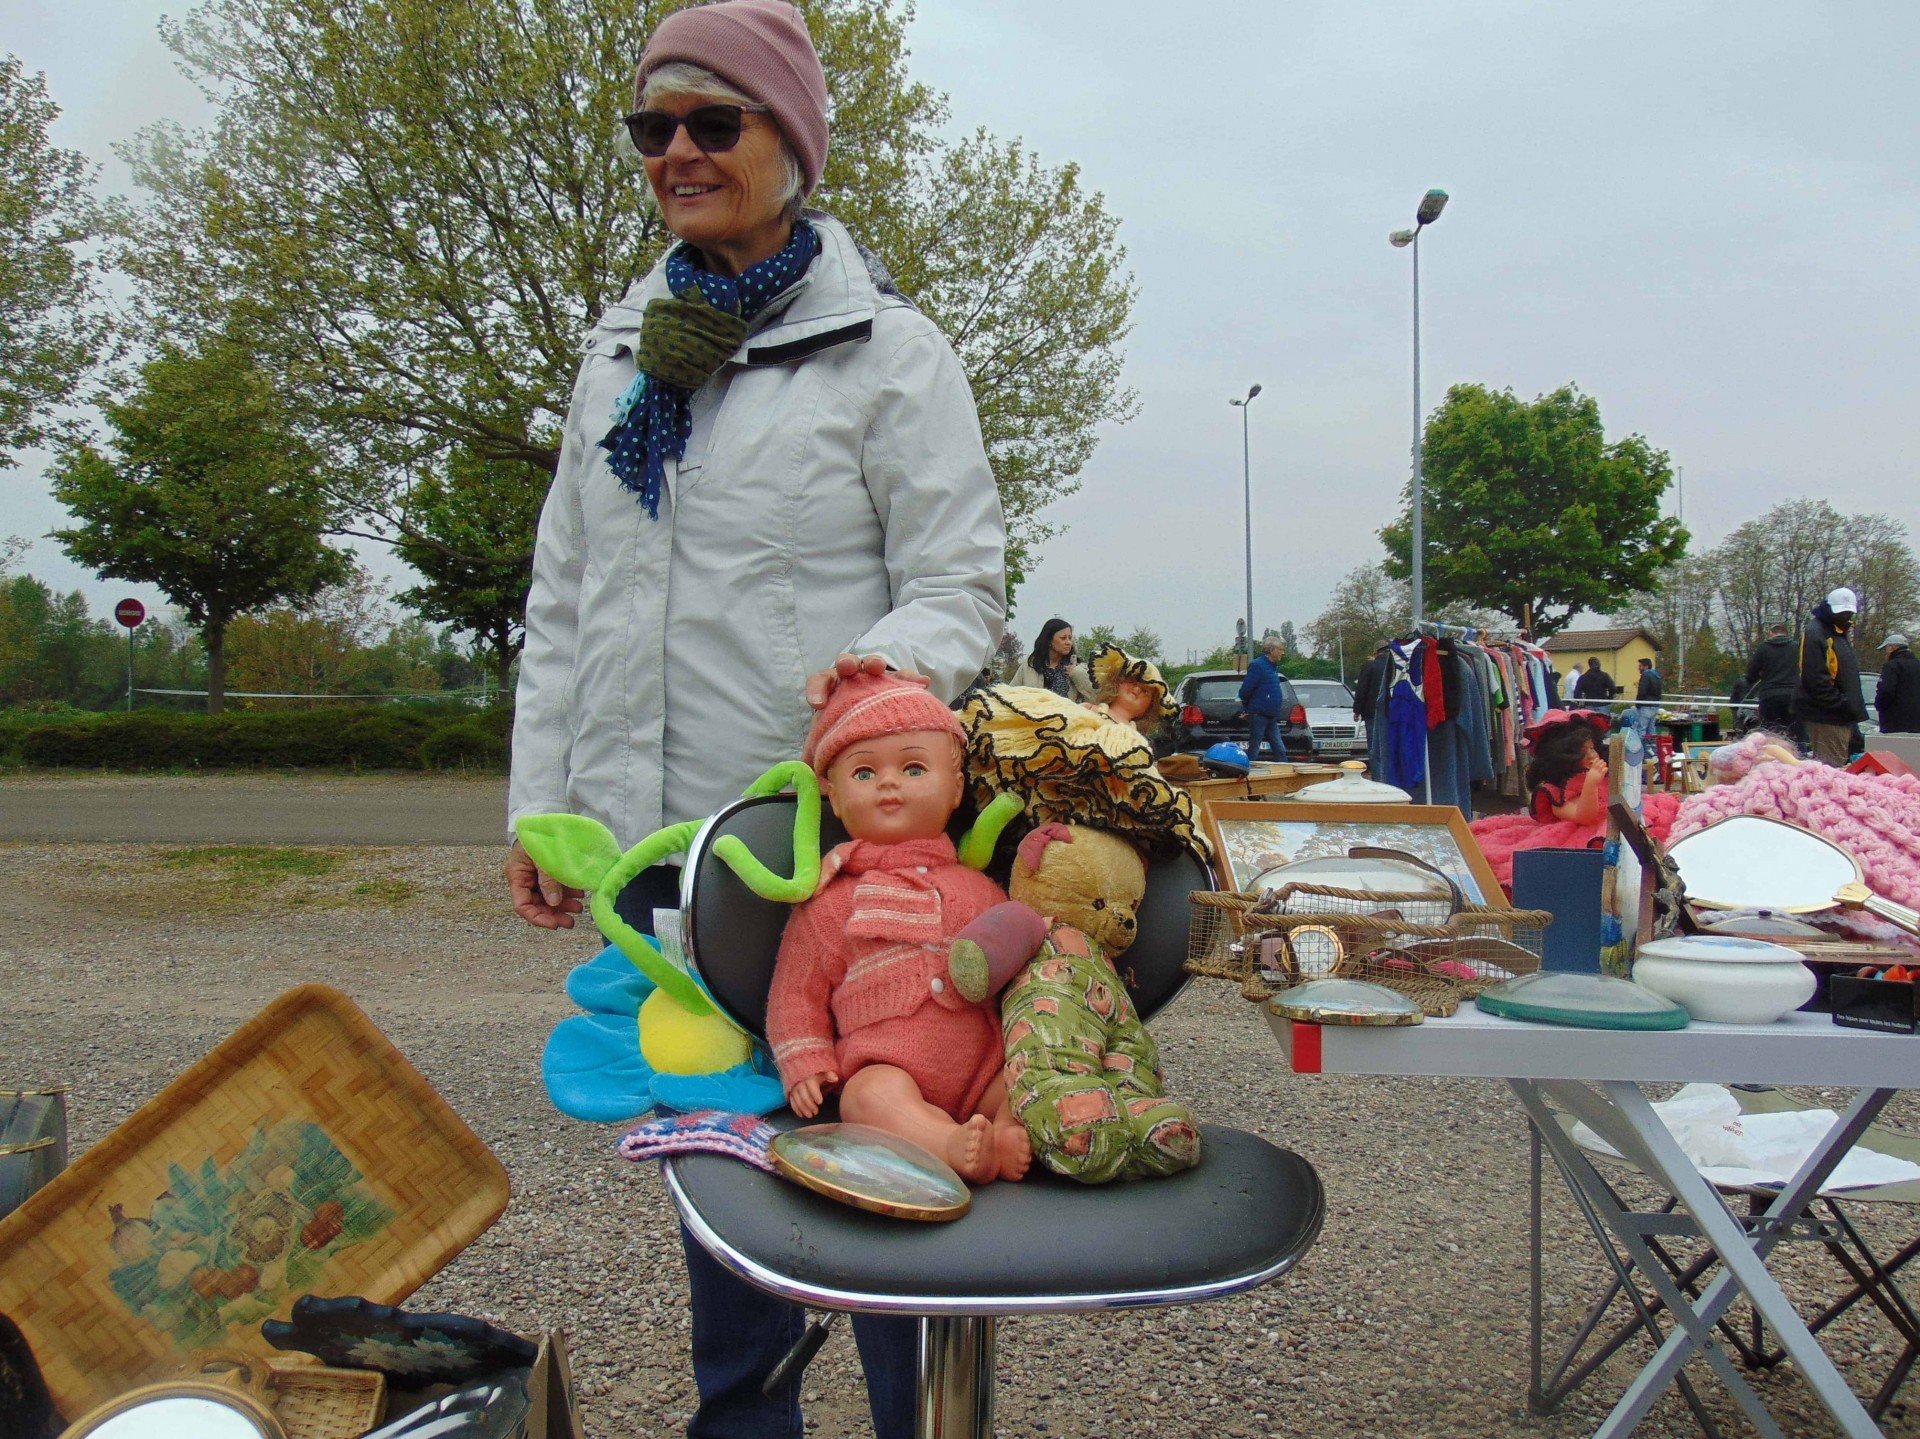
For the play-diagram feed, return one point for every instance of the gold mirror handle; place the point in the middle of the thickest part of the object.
(1858, 896)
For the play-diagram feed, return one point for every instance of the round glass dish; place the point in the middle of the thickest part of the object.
(1344, 1001)
(1584, 1001)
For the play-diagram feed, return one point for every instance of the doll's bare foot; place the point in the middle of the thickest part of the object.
(967, 967)
(971, 1153)
(1014, 1149)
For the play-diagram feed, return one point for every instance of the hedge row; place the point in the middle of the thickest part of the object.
(335, 737)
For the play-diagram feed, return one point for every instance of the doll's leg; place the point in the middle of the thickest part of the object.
(1072, 1115)
(887, 1097)
(1166, 1138)
(1011, 1145)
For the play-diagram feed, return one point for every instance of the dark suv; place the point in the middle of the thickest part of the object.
(1210, 712)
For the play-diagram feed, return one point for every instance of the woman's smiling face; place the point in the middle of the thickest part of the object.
(730, 205)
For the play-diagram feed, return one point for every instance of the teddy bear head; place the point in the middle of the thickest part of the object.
(1087, 878)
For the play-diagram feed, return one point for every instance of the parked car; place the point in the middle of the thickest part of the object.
(1337, 735)
(1210, 712)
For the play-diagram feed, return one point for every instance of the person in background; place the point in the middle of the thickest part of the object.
(771, 478)
(1647, 698)
(1052, 666)
(1827, 697)
(1897, 697)
(1773, 673)
(1594, 683)
(1260, 696)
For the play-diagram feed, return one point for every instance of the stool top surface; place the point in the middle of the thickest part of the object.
(1238, 1219)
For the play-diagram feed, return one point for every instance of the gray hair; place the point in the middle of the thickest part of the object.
(683, 77)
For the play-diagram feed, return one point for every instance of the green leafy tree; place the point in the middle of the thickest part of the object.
(1142, 643)
(413, 210)
(468, 531)
(1532, 512)
(206, 492)
(49, 332)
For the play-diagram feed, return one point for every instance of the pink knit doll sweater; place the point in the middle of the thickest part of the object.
(862, 975)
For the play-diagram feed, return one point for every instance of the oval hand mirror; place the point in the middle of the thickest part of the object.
(1749, 862)
(186, 1410)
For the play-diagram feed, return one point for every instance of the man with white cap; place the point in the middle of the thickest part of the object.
(1827, 700)
(1897, 698)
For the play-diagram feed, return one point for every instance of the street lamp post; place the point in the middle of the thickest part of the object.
(1431, 204)
(1246, 477)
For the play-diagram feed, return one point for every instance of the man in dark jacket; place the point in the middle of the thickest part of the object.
(1366, 685)
(1827, 700)
(1897, 699)
(1594, 683)
(1260, 696)
(1773, 674)
(1647, 699)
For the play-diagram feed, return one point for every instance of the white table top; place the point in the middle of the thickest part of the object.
(1799, 1049)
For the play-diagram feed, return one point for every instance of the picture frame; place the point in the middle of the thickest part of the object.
(1250, 836)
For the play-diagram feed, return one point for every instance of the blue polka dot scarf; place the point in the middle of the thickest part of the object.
(683, 342)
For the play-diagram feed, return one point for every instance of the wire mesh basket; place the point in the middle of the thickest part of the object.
(1414, 943)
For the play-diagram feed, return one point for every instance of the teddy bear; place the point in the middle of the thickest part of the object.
(1082, 1073)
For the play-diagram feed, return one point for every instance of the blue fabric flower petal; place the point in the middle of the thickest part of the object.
(609, 983)
(593, 1070)
(740, 1090)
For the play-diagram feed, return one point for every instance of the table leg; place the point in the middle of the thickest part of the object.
(1692, 1333)
(1743, 1259)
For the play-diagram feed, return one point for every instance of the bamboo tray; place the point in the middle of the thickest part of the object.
(303, 1154)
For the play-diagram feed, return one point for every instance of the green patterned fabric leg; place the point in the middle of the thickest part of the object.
(1084, 1077)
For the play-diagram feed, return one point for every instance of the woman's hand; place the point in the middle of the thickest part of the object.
(820, 685)
(804, 1098)
(538, 898)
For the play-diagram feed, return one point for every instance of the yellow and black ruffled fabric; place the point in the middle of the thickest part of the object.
(1110, 664)
(1072, 765)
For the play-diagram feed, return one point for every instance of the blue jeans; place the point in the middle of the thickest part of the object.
(740, 1333)
(1265, 727)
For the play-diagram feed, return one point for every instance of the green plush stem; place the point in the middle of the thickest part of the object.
(582, 844)
(674, 839)
(806, 838)
(976, 848)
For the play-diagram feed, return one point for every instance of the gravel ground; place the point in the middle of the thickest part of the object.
(124, 963)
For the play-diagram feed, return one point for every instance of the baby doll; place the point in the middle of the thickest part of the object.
(1129, 691)
(861, 999)
(1567, 781)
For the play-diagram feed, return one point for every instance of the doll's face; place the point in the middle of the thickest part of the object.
(897, 787)
(1130, 701)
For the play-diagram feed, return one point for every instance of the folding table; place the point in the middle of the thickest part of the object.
(1596, 1075)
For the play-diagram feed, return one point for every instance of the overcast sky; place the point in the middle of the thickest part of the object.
(1704, 214)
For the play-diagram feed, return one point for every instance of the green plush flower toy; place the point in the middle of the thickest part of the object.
(652, 1036)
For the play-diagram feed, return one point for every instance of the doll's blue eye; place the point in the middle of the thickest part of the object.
(863, 772)
(914, 771)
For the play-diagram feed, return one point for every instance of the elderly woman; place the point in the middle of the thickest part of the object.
(771, 465)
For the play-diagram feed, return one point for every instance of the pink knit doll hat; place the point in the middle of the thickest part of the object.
(868, 706)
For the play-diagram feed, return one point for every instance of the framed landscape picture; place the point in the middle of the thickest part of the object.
(1252, 836)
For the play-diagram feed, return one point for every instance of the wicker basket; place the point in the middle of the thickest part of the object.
(1405, 941)
(303, 1154)
(313, 1401)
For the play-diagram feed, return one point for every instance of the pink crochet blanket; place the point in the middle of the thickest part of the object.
(1875, 818)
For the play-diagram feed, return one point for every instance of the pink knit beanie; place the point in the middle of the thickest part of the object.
(870, 706)
(761, 47)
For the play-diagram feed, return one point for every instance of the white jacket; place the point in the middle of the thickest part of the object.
(835, 496)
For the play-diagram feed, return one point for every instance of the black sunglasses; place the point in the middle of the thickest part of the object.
(713, 128)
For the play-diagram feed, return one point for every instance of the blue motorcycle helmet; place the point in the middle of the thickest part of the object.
(1227, 758)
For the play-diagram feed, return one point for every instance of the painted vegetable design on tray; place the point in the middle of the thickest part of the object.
(226, 1245)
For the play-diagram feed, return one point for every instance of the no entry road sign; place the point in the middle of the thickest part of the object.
(130, 613)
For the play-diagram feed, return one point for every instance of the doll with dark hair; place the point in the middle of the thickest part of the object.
(1567, 788)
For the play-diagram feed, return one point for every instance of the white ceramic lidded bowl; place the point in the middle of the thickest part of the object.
(1723, 980)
